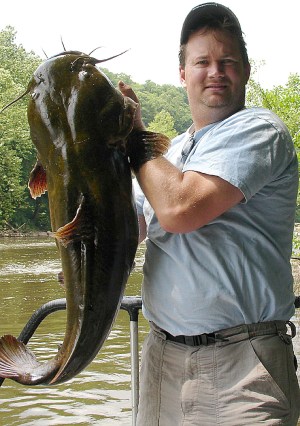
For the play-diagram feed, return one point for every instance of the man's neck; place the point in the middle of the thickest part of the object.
(214, 115)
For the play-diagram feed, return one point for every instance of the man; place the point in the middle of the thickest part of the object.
(219, 213)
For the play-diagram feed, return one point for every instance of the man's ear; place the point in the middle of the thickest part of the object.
(247, 72)
(182, 76)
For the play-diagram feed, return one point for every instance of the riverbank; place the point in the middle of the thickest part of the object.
(29, 234)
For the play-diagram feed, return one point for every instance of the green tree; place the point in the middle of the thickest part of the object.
(164, 123)
(16, 59)
(10, 189)
(155, 98)
(17, 151)
(283, 100)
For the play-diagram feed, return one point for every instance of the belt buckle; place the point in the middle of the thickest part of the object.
(202, 339)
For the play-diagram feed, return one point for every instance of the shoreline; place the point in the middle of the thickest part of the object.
(31, 234)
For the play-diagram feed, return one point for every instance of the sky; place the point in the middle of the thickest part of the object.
(150, 30)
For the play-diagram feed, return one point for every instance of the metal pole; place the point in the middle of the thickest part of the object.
(132, 304)
(134, 369)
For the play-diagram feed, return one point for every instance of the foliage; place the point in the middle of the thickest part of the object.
(297, 219)
(163, 122)
(296, 243)
(17, 152)
(15, 59)
(10, 188)
(283, 100)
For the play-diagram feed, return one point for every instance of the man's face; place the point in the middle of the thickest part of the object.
(214, 74)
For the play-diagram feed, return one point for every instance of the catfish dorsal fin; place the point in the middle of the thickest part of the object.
(37, 183)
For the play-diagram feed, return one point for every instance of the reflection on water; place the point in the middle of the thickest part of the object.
(98, 395)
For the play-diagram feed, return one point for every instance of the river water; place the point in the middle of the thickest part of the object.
(101, 393)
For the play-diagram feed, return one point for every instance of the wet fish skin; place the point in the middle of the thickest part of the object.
(79, 124)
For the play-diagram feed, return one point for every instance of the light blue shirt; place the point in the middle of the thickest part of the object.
(236, 269)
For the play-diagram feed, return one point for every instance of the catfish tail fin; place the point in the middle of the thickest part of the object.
(17, 362)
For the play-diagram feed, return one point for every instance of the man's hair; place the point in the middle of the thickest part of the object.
(215, 23)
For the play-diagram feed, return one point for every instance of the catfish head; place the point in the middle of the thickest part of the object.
(81, 105)
(76, 118)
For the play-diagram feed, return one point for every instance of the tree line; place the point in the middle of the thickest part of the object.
(165, 109)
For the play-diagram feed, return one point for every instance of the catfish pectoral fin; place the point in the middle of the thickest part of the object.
(158, 143)
(155, 144)
(77, 229)
(17, 362)
(37, 181)
(144, 146)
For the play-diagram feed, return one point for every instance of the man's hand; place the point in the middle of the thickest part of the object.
(142, 145)
(126, 90)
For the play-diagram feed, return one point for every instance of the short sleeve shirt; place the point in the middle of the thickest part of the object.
(236, 269)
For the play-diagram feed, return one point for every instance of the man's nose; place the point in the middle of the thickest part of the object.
(216, 69)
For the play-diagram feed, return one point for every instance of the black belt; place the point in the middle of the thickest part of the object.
(202, 339)
(249, 330)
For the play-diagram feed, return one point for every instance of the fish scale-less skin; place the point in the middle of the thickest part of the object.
(78, 123)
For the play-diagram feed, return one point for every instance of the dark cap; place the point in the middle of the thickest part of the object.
(203, 13)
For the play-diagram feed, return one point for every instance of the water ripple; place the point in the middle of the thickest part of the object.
(34, 268)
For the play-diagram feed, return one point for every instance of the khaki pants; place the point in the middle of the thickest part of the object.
(249, 379)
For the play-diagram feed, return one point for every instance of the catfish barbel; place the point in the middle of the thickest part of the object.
(79, 124)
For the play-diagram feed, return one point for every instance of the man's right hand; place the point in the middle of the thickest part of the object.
(126, 90)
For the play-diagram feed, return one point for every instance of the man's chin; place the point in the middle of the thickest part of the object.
(217, 104)
(217, 101)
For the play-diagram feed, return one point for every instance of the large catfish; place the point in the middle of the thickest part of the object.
(79, 124)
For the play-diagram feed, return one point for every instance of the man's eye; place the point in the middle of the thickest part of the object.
(228, 61)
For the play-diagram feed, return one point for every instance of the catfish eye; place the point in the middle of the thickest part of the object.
(77, 64)
(39, 78)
